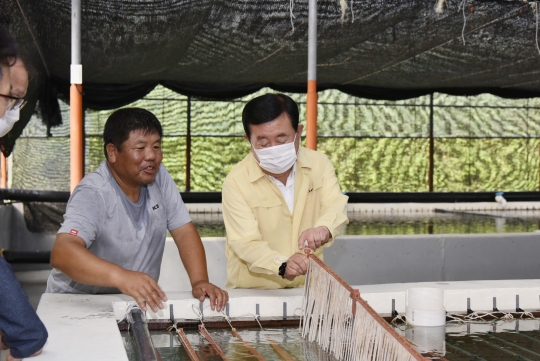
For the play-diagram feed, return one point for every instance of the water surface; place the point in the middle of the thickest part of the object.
(380, 223)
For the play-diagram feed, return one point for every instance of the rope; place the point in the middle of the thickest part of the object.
(34, 38)
(197, 313)
(439, 6)
(227, 318)
(475, 317)
(132, 306)
(257, 319)
(401, 318)
(200, 316)
(534, 6)
(291, 7)
(344, 7)
(464, 21)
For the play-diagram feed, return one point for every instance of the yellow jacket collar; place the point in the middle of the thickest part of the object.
(255, 172)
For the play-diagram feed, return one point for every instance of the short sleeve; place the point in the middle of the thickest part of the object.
(83, 214)
(177, 212)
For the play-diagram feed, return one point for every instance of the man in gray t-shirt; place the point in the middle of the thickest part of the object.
(114, 229)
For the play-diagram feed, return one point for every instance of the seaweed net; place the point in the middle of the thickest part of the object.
(343, 324)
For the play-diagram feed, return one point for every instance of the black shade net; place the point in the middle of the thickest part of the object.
(220, 49)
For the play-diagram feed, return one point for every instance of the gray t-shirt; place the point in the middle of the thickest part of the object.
(131, 235)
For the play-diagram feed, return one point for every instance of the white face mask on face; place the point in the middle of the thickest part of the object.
(8, 120)
(277, 159)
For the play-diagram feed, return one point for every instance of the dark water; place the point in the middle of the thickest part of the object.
(288, 340)
(496, 341)
(376, 223)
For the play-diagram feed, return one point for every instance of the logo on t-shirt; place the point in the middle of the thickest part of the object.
(155, 207)
(74, 232)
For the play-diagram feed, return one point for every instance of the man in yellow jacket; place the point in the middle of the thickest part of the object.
(280, 199)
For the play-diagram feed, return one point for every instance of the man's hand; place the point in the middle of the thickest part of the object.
(315, 237)
(297, 265)
(218, 297)
(143, 288)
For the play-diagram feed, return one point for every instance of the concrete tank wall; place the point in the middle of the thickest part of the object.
(362, 260)
(367, 260)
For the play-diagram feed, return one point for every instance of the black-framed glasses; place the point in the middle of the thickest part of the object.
(14, 102)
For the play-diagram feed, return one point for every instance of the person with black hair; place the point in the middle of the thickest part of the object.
(19, 86)
(113, 235)
(8, 57)
(21, 330)
(280, 202)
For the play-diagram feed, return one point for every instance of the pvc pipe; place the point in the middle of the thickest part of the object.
(76, 140)
(3, 169)
(75, 31)
(75, 99)
(26, 195)
(311, 101)
(428, 339)
(141, 335)
(500, 199)
(425, 298)
(312, 40)
(35, 257)
(425, 307)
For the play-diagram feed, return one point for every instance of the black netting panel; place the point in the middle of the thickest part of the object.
(223, 49)
(44, 217)
(481, 143)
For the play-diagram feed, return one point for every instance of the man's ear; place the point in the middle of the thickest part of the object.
(111, 153)
(300, 129)
(246, 137)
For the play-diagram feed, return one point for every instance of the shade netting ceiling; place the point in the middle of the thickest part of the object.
(380, 49)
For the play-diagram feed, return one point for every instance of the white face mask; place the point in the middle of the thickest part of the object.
(277, 159)
(8, 120)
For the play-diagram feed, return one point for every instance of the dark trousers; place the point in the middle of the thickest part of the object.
(23, 332)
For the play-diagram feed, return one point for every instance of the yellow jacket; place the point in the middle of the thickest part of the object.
(262, 233)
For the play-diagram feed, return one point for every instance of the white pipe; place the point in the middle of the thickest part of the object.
(76, 67)
(311, 96)
(500, 199)
(312, 40)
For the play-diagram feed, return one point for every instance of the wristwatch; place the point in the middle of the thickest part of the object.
(282, 269)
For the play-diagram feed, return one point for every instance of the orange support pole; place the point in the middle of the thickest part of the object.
(3, 169)
(311, 115)
(311, 101)
(76, 138)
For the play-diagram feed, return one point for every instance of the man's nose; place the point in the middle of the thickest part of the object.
(151, 154)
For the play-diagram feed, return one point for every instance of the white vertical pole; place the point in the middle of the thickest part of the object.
(75, 33)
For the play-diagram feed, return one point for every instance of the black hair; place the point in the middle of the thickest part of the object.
(122, 122)
(8, 49)
(268, 107)
(24, 57)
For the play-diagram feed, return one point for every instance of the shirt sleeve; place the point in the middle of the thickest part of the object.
(177, 212)
(83, 214)
(333, 204)
(23, 331)
(243, 234)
